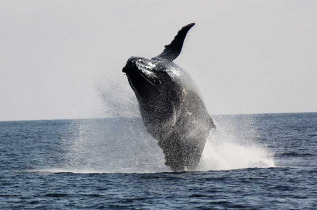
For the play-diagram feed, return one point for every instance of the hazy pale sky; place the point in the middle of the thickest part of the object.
(58, 58)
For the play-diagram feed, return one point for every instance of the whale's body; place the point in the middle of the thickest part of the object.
(170, 104)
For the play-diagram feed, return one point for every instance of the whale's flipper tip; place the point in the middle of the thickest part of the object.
(173, 50)
(189, 25)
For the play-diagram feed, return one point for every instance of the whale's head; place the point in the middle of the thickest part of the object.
(157, 76)
(149, 78)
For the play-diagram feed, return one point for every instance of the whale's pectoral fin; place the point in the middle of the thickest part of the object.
(173, 50)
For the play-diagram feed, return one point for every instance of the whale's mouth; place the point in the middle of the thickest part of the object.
(148, 78)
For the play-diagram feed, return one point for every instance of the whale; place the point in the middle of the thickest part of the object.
(170, 104)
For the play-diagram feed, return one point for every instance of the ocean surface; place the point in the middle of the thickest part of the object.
(264, 161)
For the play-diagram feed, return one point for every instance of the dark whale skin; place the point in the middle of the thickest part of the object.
(171, 107)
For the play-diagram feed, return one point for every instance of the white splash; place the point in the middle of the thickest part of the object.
(225, 152)
(119, 146)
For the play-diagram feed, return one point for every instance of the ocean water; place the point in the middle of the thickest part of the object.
(264, 161)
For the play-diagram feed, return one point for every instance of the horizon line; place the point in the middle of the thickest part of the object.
(54, 119)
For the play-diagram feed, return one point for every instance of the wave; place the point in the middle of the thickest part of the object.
(295, 154)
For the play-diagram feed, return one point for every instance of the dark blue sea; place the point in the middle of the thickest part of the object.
(264, 161)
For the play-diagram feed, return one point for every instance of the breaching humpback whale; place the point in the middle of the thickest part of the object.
(171, 107)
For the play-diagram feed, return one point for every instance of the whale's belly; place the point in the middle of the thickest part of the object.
(182, 134)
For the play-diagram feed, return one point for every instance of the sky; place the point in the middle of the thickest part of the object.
(63, 59)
